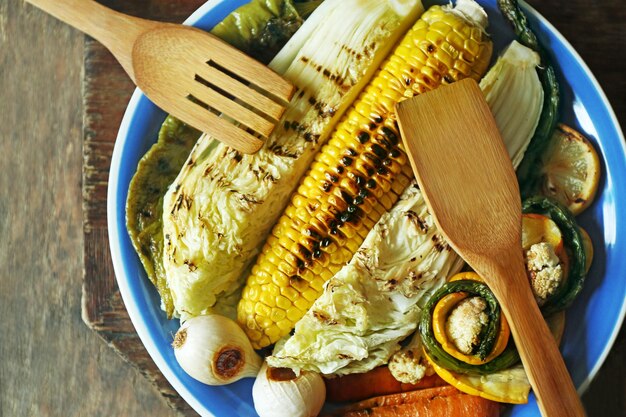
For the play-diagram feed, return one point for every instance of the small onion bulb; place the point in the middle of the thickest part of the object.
(215, 350)
(280, 393)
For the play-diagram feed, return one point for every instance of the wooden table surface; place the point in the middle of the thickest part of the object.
(51, 364)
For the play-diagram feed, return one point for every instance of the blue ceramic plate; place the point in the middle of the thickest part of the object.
(597, 313)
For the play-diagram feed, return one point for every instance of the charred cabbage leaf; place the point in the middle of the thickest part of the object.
(259, 28)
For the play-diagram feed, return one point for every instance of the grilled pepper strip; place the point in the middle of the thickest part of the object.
(527, 173)
(144, 206)
(488, 337)
(573, 242)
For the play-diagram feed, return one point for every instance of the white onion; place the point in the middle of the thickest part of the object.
(301, 396)
(214, 349)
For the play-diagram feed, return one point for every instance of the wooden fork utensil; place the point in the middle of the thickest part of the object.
(187, 72)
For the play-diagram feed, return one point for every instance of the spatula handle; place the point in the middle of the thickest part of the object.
(114, 30)
(539, 352)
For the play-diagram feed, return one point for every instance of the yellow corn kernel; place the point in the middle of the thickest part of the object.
(283, 302)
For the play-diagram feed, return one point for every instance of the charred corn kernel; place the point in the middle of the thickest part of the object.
(360, 172)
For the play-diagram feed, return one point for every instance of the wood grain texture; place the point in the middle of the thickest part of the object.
(164, 60)
(473, 194)
(170, 79)
(51, 364)
(106, 91)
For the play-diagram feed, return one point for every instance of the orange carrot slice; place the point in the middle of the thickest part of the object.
(434, 402)
(378, 381)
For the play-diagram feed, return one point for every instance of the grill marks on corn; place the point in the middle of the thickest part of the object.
(356, 177)
(348, 187)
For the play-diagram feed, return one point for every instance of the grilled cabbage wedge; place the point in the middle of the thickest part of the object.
(515, 71)
(259, 28)
(375, 301)
(359, 174)
(144, 206)
(222, 205)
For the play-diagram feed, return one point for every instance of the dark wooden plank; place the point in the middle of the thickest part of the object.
(106, 91)
(51, 364)
(595, 30)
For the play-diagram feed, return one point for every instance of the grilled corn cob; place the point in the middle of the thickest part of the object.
(358, 175)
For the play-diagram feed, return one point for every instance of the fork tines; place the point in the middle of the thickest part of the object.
(245, 91)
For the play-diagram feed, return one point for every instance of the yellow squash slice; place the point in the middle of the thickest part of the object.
(507, 386)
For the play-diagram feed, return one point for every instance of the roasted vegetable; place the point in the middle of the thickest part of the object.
(223, 204)
(574, 246)
(358, 175)
(378, 381)
(570, 169)
(545, 255)
(528, 172)
(538, 228)
(306, 7)
(144, 206)
(408, 365)
(490, 335)
(159, 167)
(374, 302)
(281, 393)
(439, 401)
(260, 27)
(214, 350)
(515, 95)
(508, 385)
(452, 329)
(588, 245)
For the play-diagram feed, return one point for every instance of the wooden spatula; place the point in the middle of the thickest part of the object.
(187, 72)
(469, 185)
